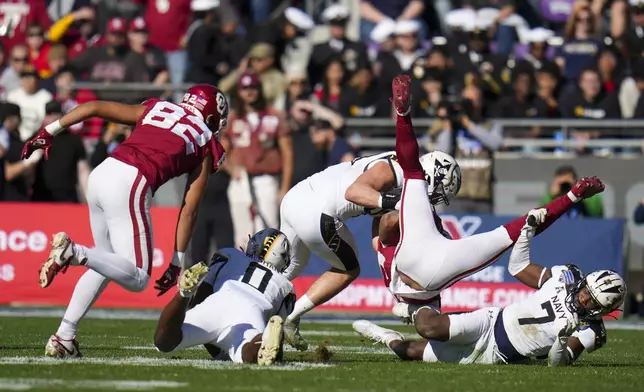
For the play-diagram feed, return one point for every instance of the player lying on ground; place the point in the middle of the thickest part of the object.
(168, 140)
(421, 262)
(241, 315)
(559, 320)
(417, 305)
(312, 217)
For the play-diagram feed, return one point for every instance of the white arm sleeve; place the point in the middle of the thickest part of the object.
(559, 354)
(520, 256)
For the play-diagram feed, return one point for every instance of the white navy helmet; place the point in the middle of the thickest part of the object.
(607, 290)
(271, 248)
(446, 175)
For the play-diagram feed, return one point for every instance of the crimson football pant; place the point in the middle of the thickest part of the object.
(118, 198)
(423, 254)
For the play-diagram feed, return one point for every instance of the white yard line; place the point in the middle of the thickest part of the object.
(23, 384)
(157, 362)
(371, 349)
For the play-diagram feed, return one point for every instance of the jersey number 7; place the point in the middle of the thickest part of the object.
(166, 115)
(547, 306)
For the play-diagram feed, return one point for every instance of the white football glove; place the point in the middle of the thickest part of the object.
(534, 219)
(401, 310)
(567, 326)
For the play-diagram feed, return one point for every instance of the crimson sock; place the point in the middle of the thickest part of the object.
(407, 149)
(555, 208)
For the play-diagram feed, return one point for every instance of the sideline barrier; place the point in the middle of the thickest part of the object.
(26, 229)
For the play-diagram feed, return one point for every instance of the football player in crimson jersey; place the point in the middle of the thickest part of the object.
(414, 276)
(168, 140)
(558, 321)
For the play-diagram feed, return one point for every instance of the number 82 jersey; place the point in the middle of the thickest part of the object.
(168, 141)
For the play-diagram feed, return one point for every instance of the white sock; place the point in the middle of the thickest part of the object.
(114, 267)
(87, 290)
(302, 306)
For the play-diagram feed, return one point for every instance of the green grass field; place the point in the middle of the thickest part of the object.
(119, 356)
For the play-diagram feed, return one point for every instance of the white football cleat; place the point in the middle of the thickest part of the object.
(191, 279)
(60, 256)
(376, 333)
(60, 348)
(293, 337)
(271, 341)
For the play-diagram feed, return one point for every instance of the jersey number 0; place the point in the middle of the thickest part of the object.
(166, 115)
(257, 276)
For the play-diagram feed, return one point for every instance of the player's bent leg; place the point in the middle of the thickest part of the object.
(431, 325)
(418, 231)
(413, 350)
(335, 244)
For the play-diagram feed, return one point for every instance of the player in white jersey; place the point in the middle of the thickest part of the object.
(312, 217)
(243, 317)
(422, 262)
(560, 320)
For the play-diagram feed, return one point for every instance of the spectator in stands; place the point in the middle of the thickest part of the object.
(590, 101)
(77, 31)
(281, 33)
(168, 22)
(3, 57)
(638, 214)
(383, 35)
(212, 44)
(536, 57)
(4, 146)
(634, 35)
(564, 178)
(608, 71)
(329, 91)
(59, 178)
(16, 15)
(155, 70)
(18, 173)
(617, 11)
(32, 101)
(352, 53)
(310, 159)
(374, 12)
(504, 34)
(57, 60)
(10, 78)
(408, 50)
(467, 137)
(362, 97)
(580, 47)
(260, 61)
(113, 135)
(638, 76)
(519, 103)
(259, 148)
(430, 94)
(38, 49)
(331, 142)
(546, 100)
(214, 226)
(478, 60)
(297, 87)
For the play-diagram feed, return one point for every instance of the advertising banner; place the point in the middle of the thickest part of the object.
(26, 230)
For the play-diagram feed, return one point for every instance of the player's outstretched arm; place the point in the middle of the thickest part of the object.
(195, 188)
(366, 189)
(520, 265)
(110, 111)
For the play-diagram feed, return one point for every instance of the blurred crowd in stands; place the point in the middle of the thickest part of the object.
(293, 79)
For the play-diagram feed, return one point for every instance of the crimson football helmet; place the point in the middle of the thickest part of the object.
(208, 101)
